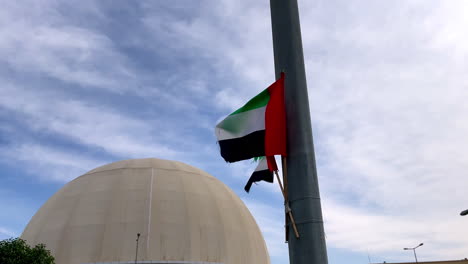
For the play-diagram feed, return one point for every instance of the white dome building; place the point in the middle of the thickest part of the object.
(184, 215)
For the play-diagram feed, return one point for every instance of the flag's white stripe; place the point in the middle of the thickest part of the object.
(242, 124)
(262, 165)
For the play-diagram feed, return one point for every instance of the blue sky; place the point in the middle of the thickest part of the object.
(85, 83)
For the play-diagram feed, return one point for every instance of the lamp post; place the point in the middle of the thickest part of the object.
(414, 251)
(136, 251)
(463, 213)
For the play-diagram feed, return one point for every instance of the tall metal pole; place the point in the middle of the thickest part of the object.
(303, 190)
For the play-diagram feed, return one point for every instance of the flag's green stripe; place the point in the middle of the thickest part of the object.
(255, 159)
(241, 124)
(258, 101)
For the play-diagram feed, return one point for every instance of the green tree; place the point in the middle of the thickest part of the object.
(16, 251)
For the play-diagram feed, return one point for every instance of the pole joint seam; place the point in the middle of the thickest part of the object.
(304, 198)
(307, 221)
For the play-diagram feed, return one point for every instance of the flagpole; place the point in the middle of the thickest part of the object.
(280, 185)
(302, 186)
(288, 210)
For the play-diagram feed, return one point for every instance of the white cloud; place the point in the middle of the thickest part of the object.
(387, 101)
(88, 124)
(386, 234)
(227, 35)
(6, 233)
(44, 42)
(48, 163)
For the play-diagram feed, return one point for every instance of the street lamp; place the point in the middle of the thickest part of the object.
(414, 251)
(136, 251)
(464, 212)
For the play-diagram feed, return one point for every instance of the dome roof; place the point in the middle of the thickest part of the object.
(184, 215)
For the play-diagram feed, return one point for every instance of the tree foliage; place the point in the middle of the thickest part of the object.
(16, 251)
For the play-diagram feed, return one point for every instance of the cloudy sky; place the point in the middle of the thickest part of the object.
(85, 83)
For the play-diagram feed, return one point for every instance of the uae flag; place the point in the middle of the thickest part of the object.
(263, 172)
(256, 129)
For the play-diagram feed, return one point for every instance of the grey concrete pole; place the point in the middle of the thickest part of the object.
(303, 190)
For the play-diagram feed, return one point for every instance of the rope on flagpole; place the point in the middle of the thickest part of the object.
(286, 202)
(280, 184)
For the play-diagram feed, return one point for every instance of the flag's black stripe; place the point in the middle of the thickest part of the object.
(246, 147)
(263, 175)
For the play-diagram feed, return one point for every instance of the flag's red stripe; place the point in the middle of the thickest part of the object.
(271, 163)
(275, 120)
